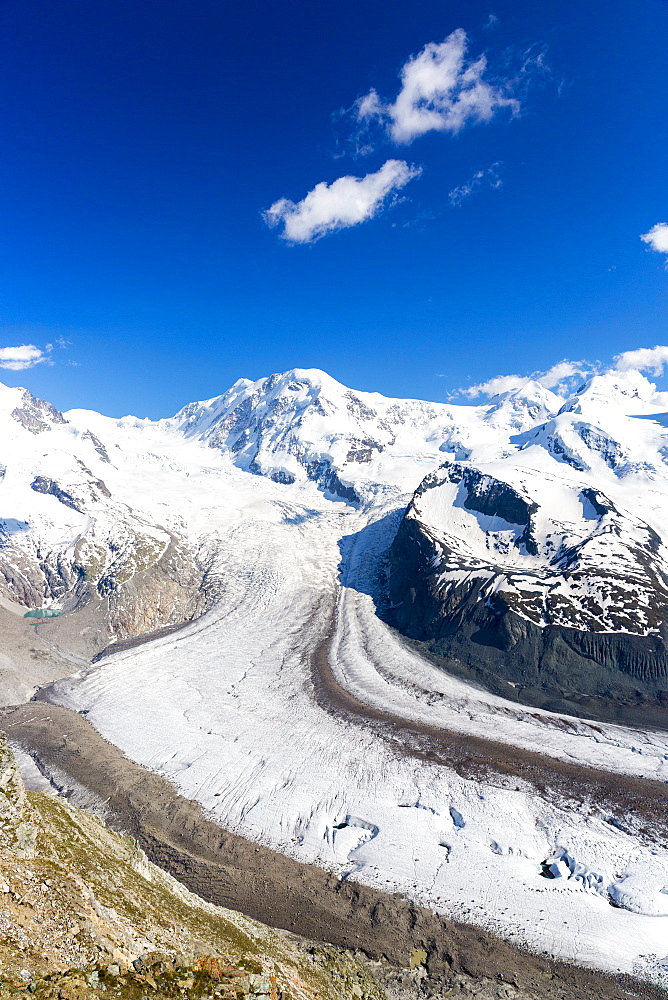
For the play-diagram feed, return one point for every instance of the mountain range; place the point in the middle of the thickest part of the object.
(531, 556)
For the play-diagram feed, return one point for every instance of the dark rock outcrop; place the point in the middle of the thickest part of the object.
(601, 674)
(41, 484)
(37, 415)
(97, 445)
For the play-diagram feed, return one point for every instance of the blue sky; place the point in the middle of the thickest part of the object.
(143, 143)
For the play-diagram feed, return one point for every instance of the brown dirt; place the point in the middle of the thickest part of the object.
(230, 871)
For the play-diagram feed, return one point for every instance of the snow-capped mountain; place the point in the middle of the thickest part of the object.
(521, 542)
(533, 547)
(104, 508)
(548, 566)
(304, 425)
(80, 519)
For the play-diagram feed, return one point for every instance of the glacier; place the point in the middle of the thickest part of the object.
(296, 714)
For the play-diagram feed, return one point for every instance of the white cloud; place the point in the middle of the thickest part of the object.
(480, 179)
(555, 376)
(559, 378)
(494, 386)
(564, 377)
(441, 91)
(345, 202)
(657, 238)
(645, 359)
(25, 356)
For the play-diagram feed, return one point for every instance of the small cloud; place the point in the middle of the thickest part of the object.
(493, 386)
(25, 356)
(645, 359)
(345, 202)
(491, 22)
(559, 379)
(657, 238)
(534, 62)
(558, 374)
(441, 91)
(481, 178)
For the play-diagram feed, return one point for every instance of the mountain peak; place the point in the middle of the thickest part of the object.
(524, 406)
(624, 390)
(33, 414)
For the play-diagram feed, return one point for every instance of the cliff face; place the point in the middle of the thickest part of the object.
(83, 910)
(546, 592)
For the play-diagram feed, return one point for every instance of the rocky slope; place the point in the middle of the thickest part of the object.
(82, 910)
(544, 573)
(71, 531)
(74, 531)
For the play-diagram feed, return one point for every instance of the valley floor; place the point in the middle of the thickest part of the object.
(302, 723)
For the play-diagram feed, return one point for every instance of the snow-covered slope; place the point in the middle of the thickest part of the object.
(549, 564)
(305, 425)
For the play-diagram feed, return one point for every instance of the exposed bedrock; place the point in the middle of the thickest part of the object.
(178, 587)
(140, 584)
(607, 675)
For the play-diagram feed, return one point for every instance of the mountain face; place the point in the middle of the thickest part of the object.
(303, 425)
(532, 556)
(544, 573)
(73, 529)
